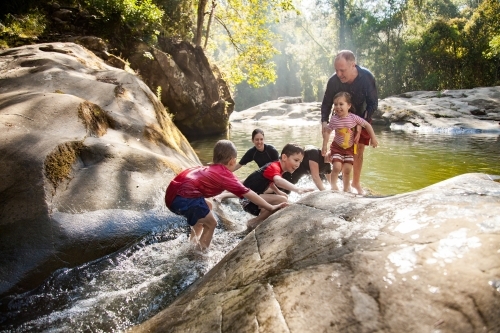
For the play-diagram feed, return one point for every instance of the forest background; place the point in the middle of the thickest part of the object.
(274, 48)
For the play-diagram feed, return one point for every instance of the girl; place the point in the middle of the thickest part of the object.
(341, 153)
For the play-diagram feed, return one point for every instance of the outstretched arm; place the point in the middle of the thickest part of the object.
(283, 183)
(259, 201)
(276, 190)
(314, 169)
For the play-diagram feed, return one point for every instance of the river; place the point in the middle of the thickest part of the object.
(131, 285)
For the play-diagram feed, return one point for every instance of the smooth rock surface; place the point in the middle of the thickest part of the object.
(86, 152)
(424, 261)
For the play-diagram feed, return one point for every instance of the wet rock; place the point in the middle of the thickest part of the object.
(422, 261)
(451, 111)
(81, 143)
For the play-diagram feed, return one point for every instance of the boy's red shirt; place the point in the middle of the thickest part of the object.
(206, 181)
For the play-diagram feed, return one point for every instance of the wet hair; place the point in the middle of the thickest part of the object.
(347, 55)
(257, 131)
(292, 148)
(348, 99)
(224, 151)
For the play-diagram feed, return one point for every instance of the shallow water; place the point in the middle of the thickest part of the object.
(131, 285)
(403, 161)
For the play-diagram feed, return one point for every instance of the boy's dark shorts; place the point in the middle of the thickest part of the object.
(191, 208)
(249, 207)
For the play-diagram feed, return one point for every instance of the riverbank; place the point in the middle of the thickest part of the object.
(450, 111)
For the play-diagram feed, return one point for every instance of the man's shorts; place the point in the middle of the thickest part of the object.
(339, 154)
(364, 138)
(191, 208)
(249, 207)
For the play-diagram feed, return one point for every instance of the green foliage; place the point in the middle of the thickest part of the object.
(177, 21)
(128, 18)
(243, 42)
(22, 26)
(158, 93)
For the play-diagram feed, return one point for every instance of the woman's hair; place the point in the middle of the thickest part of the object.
(224, 151)
(257, 131)
(292, 148)
(348, 99)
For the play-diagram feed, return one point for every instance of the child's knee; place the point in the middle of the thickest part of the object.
(209, 221)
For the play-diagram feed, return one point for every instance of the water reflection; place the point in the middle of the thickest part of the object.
(403, 161)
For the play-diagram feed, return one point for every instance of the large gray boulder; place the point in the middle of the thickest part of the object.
(86, 152)
(191, 88)
(424, 261)
(461, 111)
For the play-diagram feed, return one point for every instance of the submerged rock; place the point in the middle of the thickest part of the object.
(423, 261)
(86, 150)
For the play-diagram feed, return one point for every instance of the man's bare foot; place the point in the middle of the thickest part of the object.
(358, 189)
(347, 189)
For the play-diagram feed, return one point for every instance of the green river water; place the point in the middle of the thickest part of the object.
(403, 161)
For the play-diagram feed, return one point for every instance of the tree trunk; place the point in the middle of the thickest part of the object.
(209, 22)
(199, 24)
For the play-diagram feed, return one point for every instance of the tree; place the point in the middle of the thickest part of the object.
(242, 31)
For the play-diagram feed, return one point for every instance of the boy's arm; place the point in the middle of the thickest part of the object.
(283, 183)
(277, 190)
(259, 201)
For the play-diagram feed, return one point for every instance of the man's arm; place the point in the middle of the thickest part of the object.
(326, 105)
(371, 96)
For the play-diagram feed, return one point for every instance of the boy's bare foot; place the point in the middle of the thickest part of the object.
(193, 238)
(347, 189)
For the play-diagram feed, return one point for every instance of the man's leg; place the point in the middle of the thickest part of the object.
(358, 165)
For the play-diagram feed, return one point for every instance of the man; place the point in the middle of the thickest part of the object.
(359, 82)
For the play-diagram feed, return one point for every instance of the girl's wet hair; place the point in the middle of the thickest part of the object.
(224, 151)
(257, 131)
(292, 148)
(348, 99)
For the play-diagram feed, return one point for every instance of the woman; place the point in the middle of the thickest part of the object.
(260, 153)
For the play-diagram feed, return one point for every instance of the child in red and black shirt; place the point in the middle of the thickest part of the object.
(270, 175)
(186, 193)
